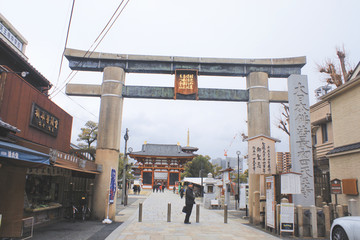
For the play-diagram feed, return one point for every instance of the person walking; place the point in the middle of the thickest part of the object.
(181, 192)
(189, 202)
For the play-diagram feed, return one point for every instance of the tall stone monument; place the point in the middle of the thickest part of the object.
(300, 138)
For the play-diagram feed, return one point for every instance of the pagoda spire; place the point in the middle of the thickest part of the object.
(188, 138)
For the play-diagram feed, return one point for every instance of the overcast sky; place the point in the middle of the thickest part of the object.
(194, 28)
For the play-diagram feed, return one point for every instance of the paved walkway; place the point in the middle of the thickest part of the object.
(155, 226)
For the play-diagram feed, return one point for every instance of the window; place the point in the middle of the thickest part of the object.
(324, 133)
(314, 139)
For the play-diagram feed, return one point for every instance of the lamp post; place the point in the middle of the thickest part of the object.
(201, 187)
(238, 154)
(123, 196)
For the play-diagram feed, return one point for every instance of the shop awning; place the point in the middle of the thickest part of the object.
(19, 153)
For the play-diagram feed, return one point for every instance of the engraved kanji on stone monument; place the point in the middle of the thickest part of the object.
(300, 138)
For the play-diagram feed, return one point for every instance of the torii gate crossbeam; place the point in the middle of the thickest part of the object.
(275, 68)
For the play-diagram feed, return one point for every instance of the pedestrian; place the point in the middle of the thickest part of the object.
(160, 188)
(163, 187)
(138, 189)
(154, 187)
(134, 189)
(189, 202)
(174, 189)
(181, 192)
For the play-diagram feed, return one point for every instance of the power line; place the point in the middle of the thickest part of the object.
(96, 117)
(66, 41)
(68, 79)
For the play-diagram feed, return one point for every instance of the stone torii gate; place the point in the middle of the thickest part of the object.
(113, 90)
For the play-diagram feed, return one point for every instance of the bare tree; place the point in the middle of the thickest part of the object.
(284, 119)
(337, 75)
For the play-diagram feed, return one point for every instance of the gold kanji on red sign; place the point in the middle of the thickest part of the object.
(186, 82)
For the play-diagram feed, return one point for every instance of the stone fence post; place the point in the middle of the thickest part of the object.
(353, 210)
(313, 221)
(340, 211)
(256, 209)
(300, 220)
(326, 211)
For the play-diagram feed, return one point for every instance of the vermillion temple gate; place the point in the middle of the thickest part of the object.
(113, 90)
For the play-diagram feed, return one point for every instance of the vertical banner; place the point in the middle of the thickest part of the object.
(300, 138)
(112, 186)
(270, 201)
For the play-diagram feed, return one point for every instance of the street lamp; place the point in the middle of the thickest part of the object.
(201, 175)
(123, 196)
(238, 154)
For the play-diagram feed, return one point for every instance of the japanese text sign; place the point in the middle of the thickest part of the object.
(261, 155)
(44, 121)
(186, 82)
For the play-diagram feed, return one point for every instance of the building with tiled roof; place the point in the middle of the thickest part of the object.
(162, 164)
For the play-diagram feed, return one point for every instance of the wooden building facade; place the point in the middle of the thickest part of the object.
(162, 163)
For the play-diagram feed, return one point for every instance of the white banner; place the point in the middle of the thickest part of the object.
(270, 201)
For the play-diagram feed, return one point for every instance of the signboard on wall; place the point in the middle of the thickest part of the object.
(261, 151)
(270, 201)
(44, 121)
(161, 175)
(11, 37)
(335, 186)
(186, 82)
(287, 217)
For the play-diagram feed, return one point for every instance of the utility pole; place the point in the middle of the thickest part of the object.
(238, 154)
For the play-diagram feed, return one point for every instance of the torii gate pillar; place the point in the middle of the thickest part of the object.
(108, 141)
(258, 124)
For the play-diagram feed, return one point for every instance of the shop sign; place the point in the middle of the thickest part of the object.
(335, 186)
(270, 201)
(9, 154)
(261, 155)
(286, 217)
(112, 186)
(44, 121)
(186, 82)
(11, 37)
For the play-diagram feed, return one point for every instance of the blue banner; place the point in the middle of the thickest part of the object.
(112, 186)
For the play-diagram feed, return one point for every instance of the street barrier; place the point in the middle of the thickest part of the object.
(225, 213)
(140, 212)
(197, 213)
(169, 213)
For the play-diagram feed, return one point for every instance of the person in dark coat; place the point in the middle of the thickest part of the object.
(189, 202)
(182, 192)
